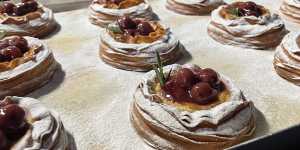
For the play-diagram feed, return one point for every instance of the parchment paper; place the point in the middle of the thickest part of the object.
(93, 98)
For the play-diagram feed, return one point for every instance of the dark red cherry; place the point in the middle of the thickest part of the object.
(9, 7)
(11, 52)
(31, 6)
(19, 42)
(201, 91)
(3, 140)
(126, 23)
(130, 32)
(184, 78)
(178, 93)
(13, 115)
(20, 9)
(208, 75)
(144, 28)
(249, 9)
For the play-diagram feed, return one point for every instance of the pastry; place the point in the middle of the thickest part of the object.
(103, 12)
(25, 124)
(290, 9)
(287, 58)
(131, 44)
(26, 63)
(247, 25)
(28, 18)
(193, 7)
(186, 107)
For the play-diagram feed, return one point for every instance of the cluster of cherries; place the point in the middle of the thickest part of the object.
(247, 9)
(12, 48)
(200, 86)
(134, 27)
(20, 9)
(12, 123)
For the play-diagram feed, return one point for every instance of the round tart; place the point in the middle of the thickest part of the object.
(131, 44)
(25, 124)
(26, 63)
(247, 25)
(28, 18)
(103, 12)
(193, 7)
(291, 10)
(287, 58)
(193, 109)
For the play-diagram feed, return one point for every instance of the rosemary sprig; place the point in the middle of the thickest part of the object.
(234, 11)
(158, 68)
(114, 27)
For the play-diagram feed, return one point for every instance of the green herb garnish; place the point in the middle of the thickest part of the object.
(158, 68)
(114, 27)
(234, 11)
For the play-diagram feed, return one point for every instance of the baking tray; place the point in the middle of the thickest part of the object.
(93, 98)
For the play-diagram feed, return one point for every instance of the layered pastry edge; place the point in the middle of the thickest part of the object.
(287, 58)
(290, 9)
(193, 7)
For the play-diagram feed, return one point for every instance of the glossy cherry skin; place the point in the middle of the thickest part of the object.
(19, 42)
(9, 7)
(144, 28)
(184, 78)
(178, 93)
(208, 75)
(201, 90)
(249, 9)
(130, 32)
(126, 23)
(13, 115)
(11, 52)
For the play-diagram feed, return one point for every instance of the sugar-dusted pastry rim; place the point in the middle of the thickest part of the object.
(46, 129)
(195, 8)
(138, 57)
(38, 27)
(286, 62)
(150, 122)
(103, 16)
(30, 75)
(290, 10)
(239, 32)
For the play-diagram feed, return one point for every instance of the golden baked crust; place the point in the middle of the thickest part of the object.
(159, 31)
(122, 5)
(4, 66)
